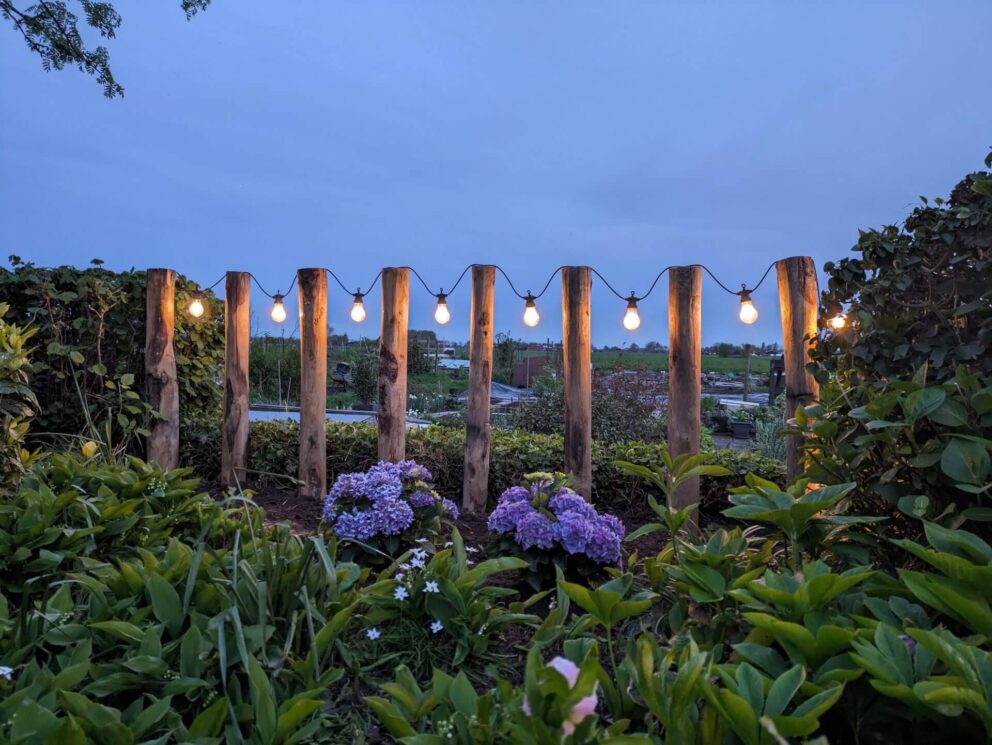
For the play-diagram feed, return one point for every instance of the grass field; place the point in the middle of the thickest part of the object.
(659, 361)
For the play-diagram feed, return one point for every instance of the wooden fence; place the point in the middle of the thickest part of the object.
(797, 289)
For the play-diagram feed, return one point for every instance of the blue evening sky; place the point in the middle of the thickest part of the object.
(269, 136)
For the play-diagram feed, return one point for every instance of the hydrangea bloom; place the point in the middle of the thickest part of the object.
(386, 500)
(535, 531)
(572, 525)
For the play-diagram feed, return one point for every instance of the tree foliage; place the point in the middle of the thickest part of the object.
(51, 29)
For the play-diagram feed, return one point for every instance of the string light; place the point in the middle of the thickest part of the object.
(631, 321)
(748, 313)
(195, 308)
(358, 309)
(278, 309)
(838, 322)
(441, 313)
(531, 316)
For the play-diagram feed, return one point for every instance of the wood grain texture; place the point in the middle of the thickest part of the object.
(475, 487)
(160, 367)
(313, 382)
(391, 387)
(234, 429)
(798, 297)
(685, 329)
(576, 305)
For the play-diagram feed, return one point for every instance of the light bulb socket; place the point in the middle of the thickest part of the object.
(442, 298)
(529, 301)
(632, 302)
(745, 295)
(277, 299)
(359, 298)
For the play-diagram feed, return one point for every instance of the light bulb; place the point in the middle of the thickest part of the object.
(358, 309)
(531, 316)
(441, 313)
(838, 322)
(631, 321)
(748, 314)
(278, 309)
(195, 307)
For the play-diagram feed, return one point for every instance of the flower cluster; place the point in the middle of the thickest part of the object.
(549, 514)
(384, 501)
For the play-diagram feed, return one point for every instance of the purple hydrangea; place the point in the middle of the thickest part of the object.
(507, 516)
(535, 530)
(382, 482)
(393, 516)
(565, 501)
(359, 525)
(451, 507)
(603, 545)
(573, 531)
(515, 494)
(348, 485)
(613, 523)
(422, 498)
(411, 470)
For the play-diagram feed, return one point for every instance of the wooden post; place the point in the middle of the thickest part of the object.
(234, 430)
(475, 488)
(797, 297)
(685, 330)
(160, 366)
(391, 386)
(576, 301)
(313, 382)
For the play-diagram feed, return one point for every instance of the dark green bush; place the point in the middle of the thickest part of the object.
(273, 449)
(90, 329)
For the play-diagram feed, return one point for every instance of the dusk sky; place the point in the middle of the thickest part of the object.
(628, 136)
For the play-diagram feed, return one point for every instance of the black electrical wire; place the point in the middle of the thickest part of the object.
(269, 294)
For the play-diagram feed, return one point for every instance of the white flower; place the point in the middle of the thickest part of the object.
(419, 554)
(417, 562)
(437, 627)
(399, 576)
(404, 566)
(400, 593)
(372, 633)
(471, 550)
(423, 540)
(449, 544)
(6, 672)
(431, 586)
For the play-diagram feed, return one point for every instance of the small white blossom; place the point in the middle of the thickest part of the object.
(404, 566)
(6, 672)
(437, 627)
(449, 544)
(419, 554)
(417, 562)
(400, 593)
(431, 586)
(372, 633)
(422, 540)
(471, 550)
(399, 576)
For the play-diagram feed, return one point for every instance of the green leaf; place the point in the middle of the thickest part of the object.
(210, 721)
(966, 461)
(165, 602)
(783, 689)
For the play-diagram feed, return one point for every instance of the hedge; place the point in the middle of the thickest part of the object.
(273, 450)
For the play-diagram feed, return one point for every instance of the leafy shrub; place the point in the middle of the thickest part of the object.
(623, 407)
(273, 452)
(554, 529)
(904, 381)
(388, 506)
(17, 401)
(90, 326)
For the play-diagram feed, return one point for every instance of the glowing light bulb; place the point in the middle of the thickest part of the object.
(195, 307)
(748, 314)
(631, 321)
(278, 309)
(531, 316)
(358, 309)
(838, 322)
(441, 313)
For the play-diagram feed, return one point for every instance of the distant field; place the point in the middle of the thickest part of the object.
(659, 361)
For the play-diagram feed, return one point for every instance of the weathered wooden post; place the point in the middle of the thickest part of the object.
(576, 302)
(391, 386)
(685, 349)
(747, 372)
(234, 429)
(313, 382)
(797, 297)
(160, 366)
(480, 378)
